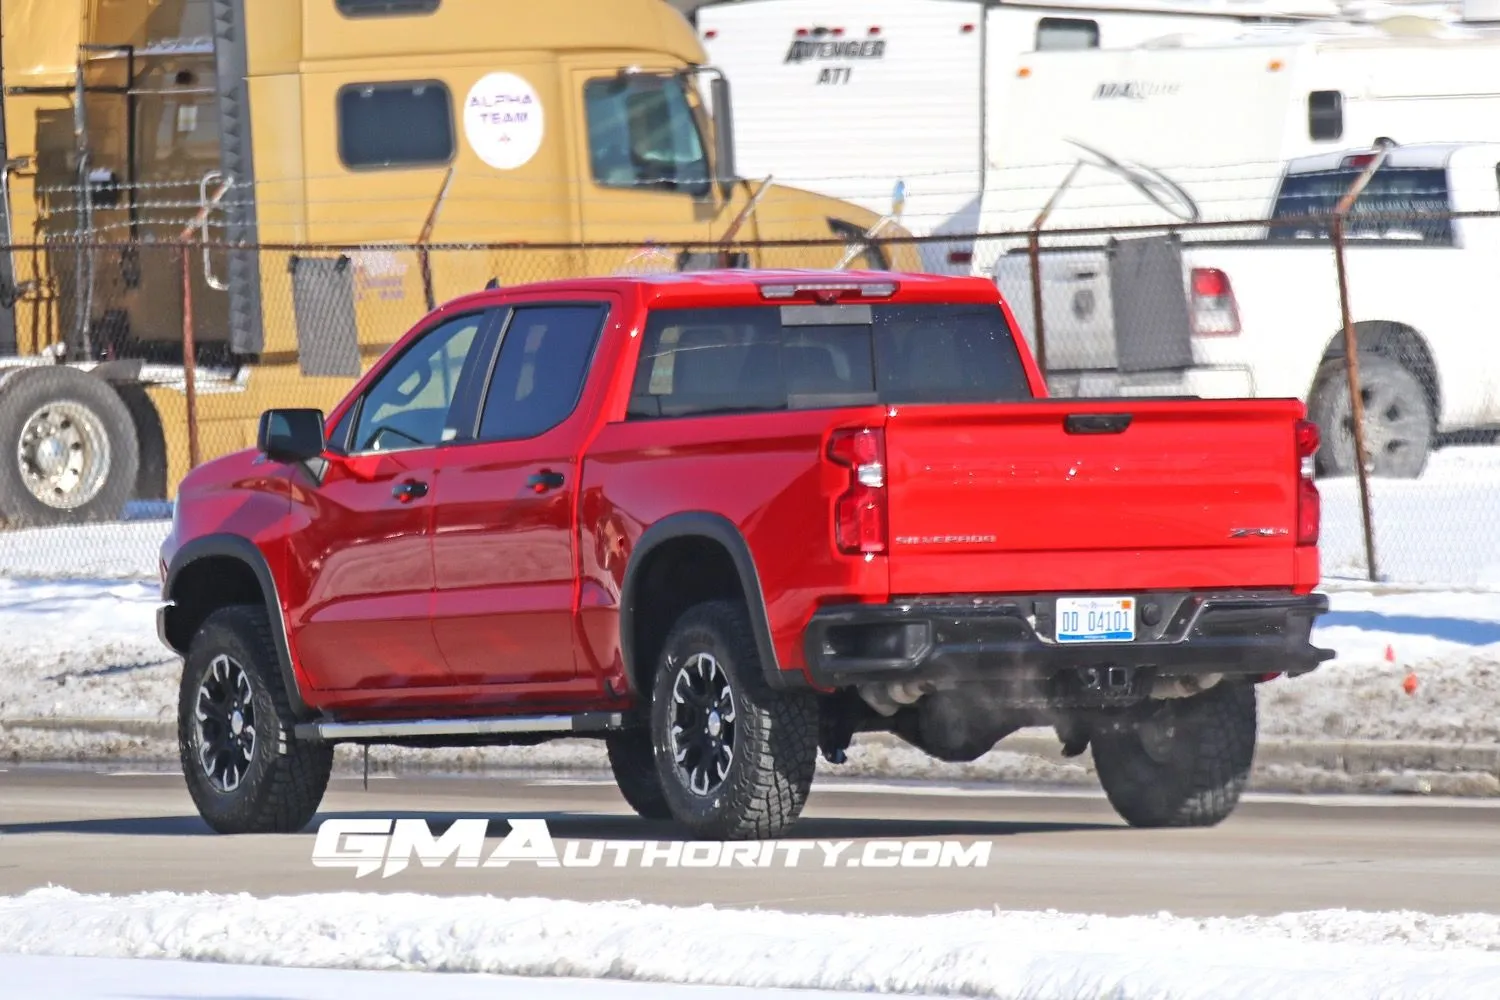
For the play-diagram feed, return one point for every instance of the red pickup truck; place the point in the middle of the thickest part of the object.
(723, 520)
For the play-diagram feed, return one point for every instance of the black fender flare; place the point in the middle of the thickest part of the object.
(721, 530)
(242, 550)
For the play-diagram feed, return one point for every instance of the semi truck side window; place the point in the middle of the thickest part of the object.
(422, 133)
(1066, 34)
(643, 134)
(384, 8)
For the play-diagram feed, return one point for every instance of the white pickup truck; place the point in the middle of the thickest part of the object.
(1261, 317)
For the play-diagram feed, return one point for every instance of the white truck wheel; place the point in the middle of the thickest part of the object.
(1399, 424)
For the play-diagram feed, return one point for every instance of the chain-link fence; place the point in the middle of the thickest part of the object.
(195, 342)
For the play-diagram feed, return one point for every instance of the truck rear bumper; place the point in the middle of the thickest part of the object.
(960, 638)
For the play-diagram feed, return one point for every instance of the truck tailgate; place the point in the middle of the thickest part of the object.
(1113, 495)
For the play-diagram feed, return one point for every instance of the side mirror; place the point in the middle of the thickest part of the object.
(724, 168)
(292, 435)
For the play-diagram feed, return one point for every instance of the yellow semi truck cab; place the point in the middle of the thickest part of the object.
(349, 162)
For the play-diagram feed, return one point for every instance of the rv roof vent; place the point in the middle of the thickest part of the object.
(1411, 26)
(1481, 10)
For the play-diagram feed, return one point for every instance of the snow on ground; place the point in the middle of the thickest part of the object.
(1442, 529)
(1036, 955)
(76, 649)
(83, 649)
(31, 977)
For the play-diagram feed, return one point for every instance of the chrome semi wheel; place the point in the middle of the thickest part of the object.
(69, 451)
(244, 766)
(64, 454)
(702, 723)
(226, 724)
(734, 756)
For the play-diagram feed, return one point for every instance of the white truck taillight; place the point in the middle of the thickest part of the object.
(1215, 313)
(859, 514)
(1309, 502)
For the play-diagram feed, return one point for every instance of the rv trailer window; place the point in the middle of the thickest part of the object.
(1066, 33)
(385, 8)
(1325, 115)
(391, 125)
(643, 134)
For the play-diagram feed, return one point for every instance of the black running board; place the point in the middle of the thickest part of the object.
(404, 729)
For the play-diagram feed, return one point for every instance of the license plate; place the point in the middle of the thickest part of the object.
(1096, 619)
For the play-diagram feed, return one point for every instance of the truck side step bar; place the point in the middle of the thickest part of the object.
(591, 722)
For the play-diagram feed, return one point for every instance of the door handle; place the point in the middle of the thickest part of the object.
(410, 490)
(545, 480)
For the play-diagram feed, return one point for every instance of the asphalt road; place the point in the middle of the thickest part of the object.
(126, 832)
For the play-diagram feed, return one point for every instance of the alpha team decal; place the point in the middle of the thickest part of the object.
(503, 120)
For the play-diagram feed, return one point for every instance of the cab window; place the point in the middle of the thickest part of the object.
(643, 134)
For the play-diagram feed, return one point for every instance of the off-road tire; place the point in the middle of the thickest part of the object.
(1400, 424)
(23, 395)
(1197, 778)
(286, 777)
(633, 762)
(775, 739)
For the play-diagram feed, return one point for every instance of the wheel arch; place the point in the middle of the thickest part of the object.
(664, 546)
(1401, 343)
(218, 571)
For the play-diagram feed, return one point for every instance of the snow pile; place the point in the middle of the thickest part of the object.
(83, 649)
(1036, 955)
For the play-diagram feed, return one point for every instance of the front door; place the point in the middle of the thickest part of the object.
(364, 544)
(503, 538)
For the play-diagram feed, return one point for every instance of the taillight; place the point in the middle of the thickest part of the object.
(859, 513)
(1309, 502)
(1215, 313)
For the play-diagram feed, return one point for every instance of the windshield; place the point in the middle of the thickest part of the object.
(643, 133)
(1392, 191)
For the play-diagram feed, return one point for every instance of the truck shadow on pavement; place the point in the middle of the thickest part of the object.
(571, 825)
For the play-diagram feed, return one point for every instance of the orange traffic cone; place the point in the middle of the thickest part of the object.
(1409, 682)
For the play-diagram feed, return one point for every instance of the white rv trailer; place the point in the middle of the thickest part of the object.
(852, 97)
(1219, 118)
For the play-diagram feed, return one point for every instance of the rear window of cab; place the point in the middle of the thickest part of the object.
(767, 358)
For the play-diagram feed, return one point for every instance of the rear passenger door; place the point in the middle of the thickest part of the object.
(504, 540)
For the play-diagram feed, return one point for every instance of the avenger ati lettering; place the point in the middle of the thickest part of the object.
(820, 48)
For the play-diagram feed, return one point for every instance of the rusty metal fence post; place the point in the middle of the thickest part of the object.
(1351, 357)
(189, 358)
(194, 229)
(1034, 249)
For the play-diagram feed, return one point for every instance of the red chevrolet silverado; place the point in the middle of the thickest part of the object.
(723, 521)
